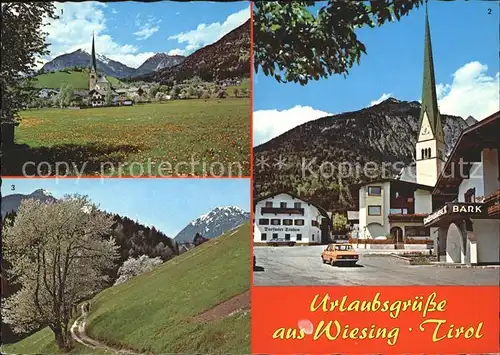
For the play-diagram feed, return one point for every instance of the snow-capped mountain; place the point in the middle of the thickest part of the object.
(81, 58)
(158, 62)
(12, 202)
(214, 223)
(109, 67)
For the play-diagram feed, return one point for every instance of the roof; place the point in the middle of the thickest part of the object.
(397, 181)
(429, 96)
(482, 135)
(103, 79)
(320, 209)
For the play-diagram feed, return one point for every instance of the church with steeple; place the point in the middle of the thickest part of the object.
(396, 207)
(99, 86)
(452, 202)
(430, 148)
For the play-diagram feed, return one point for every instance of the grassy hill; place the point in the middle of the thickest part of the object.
(156, 311)
(77, 79)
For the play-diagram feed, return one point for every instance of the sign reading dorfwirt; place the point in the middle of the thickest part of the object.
(456, 210)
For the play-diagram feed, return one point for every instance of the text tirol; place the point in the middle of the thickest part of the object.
(333, 329)
(386, 319)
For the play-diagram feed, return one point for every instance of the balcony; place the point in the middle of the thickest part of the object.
(413, 217)
(492, 203)
(282, 210)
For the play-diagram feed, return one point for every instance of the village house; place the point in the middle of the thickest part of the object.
(47, 93)
(286, 216)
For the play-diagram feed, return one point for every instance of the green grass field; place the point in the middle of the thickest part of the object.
(153, 312)
(149, 139)
(77, 79)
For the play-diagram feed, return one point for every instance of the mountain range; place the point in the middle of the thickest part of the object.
(11, 203)
(214, 223)
(81, 58)
(383, 133)
(227, 58)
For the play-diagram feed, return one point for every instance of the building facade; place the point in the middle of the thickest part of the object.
(397, 207)
(469, 225)
(286, 216)
(99, 86)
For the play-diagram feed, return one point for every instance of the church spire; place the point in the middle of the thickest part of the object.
(429, 96)
(93, 61)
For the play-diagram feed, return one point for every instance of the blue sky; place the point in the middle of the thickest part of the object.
(167, 204)
(465, 41)
(131, 32)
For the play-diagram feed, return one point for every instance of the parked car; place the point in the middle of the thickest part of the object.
(276, 242)
(340, 254)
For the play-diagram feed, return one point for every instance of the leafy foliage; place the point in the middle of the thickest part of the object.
(136, 266)
(58, 256)
(290, 40)
(23, 40)
(339, 222)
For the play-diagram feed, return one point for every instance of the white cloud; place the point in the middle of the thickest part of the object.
(268, 124)
(380, 99)
(114, 11)
(472, 92)
(207, 34)
(73, 30)
(146, 31)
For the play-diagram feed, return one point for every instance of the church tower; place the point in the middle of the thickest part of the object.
(93, 68)
(430, 146)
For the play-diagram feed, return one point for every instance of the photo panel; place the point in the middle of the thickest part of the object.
(138, 265)
(376, 177)
(127, 89)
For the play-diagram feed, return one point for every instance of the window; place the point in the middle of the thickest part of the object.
(287, 222)
(263, 236)
(374, 190)
(417, 231)
(314, 223)
(287, 236)
(470, 195)
(275, 222)
(299, 222)
(283, 204)
(264, 222)
(374, 210)
(299, 237)
(297, 205)
(269, 203)
(275, 235)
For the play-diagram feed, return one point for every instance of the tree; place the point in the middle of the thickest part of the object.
(23, 42)
(290, 40)
(222, 94)
(108, 99)
(191, 91)
(153, 90)
(133, 267)
(339, 222)
(58, 256)
(159, 96)
(65, 95)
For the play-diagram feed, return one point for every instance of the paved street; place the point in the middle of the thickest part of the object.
(280, 266)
